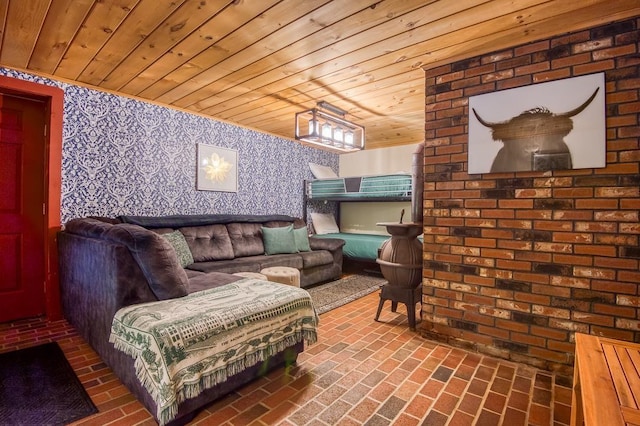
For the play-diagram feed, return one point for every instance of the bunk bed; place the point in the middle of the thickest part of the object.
(359, 246)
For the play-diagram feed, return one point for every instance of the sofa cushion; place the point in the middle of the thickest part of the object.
(162, 231)
(316, 258)
(248, 264)
(190, 274)
(290, 260)
(280, 224)
(301, 237)
(156, 258)
(209, 242)
(279, 240)
(210, 280)
(246, 239)
(179, 244)
(230, 266)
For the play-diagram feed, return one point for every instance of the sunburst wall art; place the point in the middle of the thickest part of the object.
(217, 169)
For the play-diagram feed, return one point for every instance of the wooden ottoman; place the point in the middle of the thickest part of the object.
(283, 275)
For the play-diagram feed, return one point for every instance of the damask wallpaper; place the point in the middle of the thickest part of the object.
(124, 156)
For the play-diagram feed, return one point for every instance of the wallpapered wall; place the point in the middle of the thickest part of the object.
(124, 156)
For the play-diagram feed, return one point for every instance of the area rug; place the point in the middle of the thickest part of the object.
(340, 292)
(39, 387)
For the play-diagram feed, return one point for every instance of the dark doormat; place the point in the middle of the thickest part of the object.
(39, 387)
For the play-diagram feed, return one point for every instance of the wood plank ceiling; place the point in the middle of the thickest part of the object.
(257, 62)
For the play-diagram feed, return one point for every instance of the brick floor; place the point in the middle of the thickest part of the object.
(360, 372)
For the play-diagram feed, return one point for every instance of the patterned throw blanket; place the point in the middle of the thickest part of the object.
(184, 346)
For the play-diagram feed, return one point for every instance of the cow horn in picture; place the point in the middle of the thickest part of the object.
(581, 107)
(568, 114)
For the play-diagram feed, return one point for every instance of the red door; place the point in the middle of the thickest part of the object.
(22, 227)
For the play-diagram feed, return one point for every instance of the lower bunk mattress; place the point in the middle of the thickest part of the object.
(359, 246)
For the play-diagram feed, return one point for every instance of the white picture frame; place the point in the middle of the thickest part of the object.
(217, 169)
(586, 141)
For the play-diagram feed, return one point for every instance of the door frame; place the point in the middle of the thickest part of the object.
(53, 98)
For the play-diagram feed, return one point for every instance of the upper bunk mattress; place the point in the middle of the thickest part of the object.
(394, 186)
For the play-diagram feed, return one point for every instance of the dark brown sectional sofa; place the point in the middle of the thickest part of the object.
(106, 264)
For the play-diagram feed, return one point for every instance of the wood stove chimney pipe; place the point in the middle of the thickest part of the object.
(417, 181)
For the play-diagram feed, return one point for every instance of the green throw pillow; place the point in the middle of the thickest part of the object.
(179, 244)
(301, 237)
(279, 240)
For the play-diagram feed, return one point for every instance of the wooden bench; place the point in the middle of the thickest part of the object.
(606, 382)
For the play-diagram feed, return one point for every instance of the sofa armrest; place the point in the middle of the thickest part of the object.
(96, 279)
(331, 244)
(155, 256)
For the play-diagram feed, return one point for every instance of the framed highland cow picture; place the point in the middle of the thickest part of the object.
(558, 125)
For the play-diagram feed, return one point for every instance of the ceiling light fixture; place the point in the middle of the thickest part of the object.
(326, 126)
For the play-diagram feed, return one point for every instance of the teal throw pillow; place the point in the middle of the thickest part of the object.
(279, 240)
(301, 237)
(179, 244)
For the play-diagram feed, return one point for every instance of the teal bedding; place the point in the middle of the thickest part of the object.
(395, 186)
(359, 246)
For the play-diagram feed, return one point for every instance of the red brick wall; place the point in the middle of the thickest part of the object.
(515, 263)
